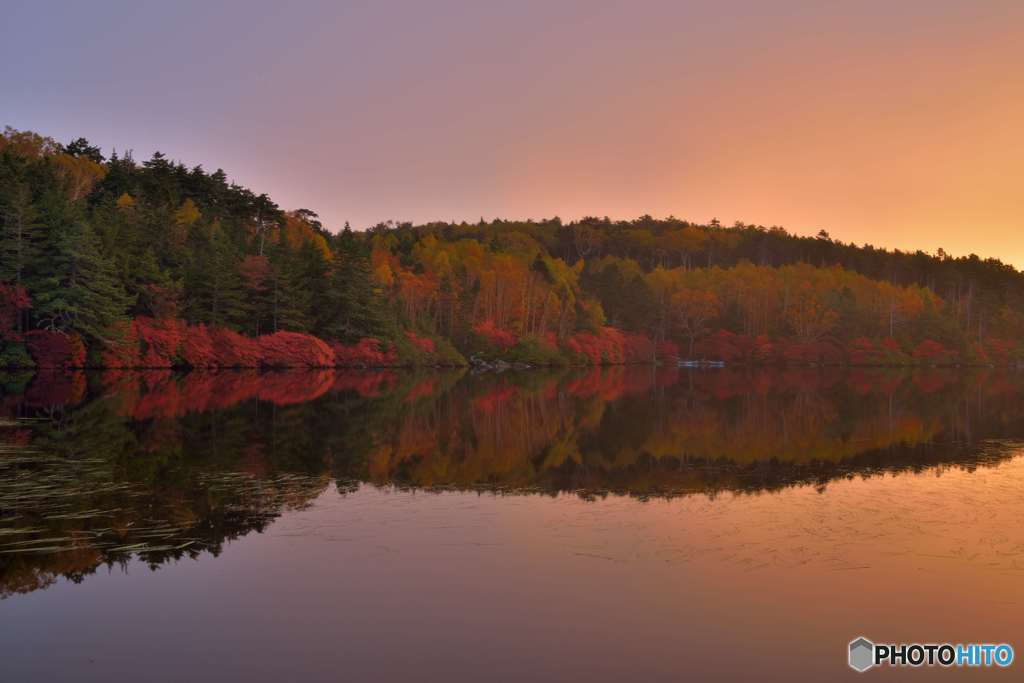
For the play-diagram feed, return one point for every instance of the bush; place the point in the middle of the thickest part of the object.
(55, 350)
(413, 349)
(219, 347)
(535, 351)
(295, 350)
(367, 353)
(493, 336)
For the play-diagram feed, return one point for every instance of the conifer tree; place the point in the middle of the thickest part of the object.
(82, 293)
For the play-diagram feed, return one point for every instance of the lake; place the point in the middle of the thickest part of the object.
(620, 523)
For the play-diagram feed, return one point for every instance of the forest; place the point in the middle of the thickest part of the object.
(108, 262)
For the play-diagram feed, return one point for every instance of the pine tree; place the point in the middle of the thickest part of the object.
(214, 291)
(290, 296)
(20, 231)
(352, 303)
(83, 293)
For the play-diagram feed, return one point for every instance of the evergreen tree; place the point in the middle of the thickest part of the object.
(20, 231)
(352, 306)
(214, 292)
(82, 293)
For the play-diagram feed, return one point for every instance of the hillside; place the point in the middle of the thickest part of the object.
(110, 262)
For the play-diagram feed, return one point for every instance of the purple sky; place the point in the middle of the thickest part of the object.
(898, 124)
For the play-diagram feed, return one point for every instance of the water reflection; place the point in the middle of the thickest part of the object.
(97, 469)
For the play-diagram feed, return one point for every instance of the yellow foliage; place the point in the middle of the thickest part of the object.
(125, 202)
(187, 214)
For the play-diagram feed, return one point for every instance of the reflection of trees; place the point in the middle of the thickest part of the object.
(102, 468)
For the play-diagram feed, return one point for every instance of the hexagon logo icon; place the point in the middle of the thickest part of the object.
(862, 654)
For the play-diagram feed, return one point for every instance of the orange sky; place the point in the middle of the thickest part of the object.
(900, 126)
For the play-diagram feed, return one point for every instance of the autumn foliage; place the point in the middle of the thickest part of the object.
(55, 350)
(292, 349)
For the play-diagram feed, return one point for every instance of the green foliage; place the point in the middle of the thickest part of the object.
(535, 351)
(82, 292)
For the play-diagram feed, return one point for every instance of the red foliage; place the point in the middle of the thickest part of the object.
(126, 352)
(13, 300)
(603, 348)
(812, 352)
(722, 345)
(864, 351)
(890, 345)
(424, 344)
(494, 335)
(637, 348)
(1000, 350)
(366, 354)
(764, 350)
(930, 351)
(55, 350)
(296, 350)
(160, 341)
(668, 350)
(219, 347)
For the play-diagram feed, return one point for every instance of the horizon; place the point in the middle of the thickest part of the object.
(882, 126)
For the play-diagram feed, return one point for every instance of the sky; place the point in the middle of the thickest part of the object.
(899, 124)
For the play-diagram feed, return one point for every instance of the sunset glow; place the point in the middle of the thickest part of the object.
(892, 125)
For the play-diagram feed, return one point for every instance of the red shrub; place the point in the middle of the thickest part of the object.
(637, 348)
(424, 344)
(764, 350)
(160, 341)
(890, 345)
(864, 351)
(494, 335)
(219, 347)
(930, 351)
(125, 353)
(296, 350)
(366, 354)
(233, 350)
(722, 345)
(603, 348)
(55, 349)
(1000, 350)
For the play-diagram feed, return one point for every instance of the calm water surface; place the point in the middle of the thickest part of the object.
(620, 523)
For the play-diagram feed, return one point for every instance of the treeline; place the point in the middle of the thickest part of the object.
(106, 261)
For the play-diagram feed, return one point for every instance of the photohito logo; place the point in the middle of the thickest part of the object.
(864, 654)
